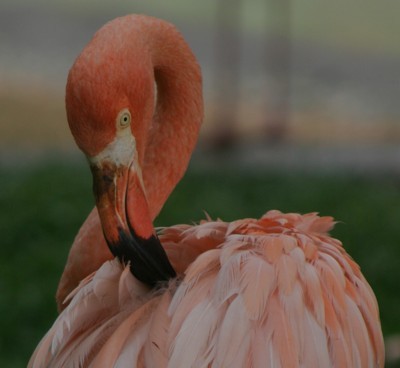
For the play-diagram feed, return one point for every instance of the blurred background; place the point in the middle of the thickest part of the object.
(302, 114)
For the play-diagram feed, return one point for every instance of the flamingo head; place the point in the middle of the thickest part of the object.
(110, 103)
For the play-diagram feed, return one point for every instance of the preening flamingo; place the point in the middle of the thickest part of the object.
(271, 292)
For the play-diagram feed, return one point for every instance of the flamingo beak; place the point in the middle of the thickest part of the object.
(109, 187)
(127, 226)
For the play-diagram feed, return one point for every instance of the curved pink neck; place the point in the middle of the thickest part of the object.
(178, 114)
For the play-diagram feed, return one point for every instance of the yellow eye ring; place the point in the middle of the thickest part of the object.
(124, 118)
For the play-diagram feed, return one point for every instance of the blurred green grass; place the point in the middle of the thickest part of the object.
(43, 206)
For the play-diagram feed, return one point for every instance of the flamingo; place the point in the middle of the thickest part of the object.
(277, 291)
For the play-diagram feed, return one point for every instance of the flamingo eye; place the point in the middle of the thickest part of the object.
(124, 119)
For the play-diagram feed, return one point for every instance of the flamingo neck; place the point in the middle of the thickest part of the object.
(177, 117)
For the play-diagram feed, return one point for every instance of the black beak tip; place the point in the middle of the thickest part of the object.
(148, 260)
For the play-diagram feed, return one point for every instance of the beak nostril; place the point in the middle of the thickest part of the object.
(108, 179)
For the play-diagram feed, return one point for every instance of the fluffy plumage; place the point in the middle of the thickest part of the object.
(272, 292)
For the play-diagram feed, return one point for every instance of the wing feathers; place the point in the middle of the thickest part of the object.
(276, 292)
(257, 282)
(234, 329)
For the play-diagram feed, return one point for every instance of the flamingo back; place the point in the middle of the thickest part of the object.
(271, 292)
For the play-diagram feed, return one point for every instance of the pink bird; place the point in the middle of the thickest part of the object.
(271, 292)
